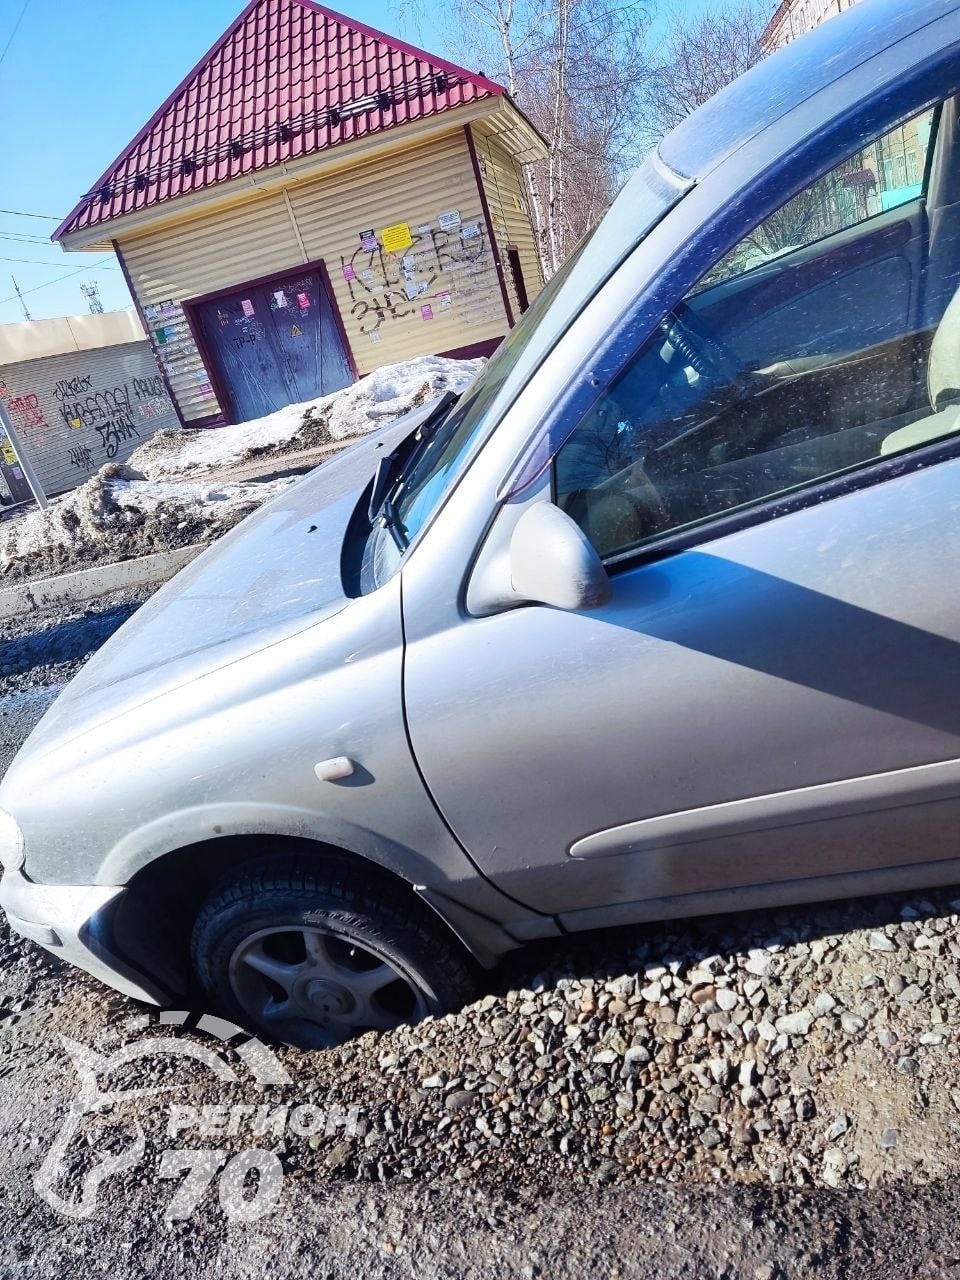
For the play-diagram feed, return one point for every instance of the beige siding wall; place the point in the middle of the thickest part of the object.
(77, 411)
(456, 273)
(200, 256)
(450, 272)
(506, 198)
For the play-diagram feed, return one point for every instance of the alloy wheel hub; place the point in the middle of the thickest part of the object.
(326, 998)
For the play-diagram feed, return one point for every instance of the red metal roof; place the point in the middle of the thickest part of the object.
(287, 79)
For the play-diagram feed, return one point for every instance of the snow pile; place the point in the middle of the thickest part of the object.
(157, 500)
(365, 406)
(117, 515)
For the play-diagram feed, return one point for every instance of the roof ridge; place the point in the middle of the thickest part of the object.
(475, 77)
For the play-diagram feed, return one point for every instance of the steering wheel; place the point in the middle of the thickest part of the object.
(703, 351)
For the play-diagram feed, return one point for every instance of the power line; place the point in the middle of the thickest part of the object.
(19, 213)
(91, 267)
(37, 262)
(16, 27)
(24, 239)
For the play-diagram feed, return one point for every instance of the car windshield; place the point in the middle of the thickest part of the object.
(434, 466)
(430, 471)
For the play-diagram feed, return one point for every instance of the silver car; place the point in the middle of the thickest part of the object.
(662, 617)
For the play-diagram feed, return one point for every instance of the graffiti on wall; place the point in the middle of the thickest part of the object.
(26, 412)
(439, 269)
(73, 425)
(81, 457)
(68, 387)
(112, 412)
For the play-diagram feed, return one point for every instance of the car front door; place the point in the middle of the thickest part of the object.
(765, 705)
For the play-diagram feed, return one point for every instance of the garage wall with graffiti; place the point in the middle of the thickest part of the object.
(404, 245)
(408, 251)
(77, 410)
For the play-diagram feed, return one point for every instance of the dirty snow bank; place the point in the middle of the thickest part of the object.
(149, 504)
(117, 515)
(365, 406)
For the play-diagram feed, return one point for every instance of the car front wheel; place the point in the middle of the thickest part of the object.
(316, 954)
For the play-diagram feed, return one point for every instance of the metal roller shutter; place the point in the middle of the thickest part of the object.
(78, 411)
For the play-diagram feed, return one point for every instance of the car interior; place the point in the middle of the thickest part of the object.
(827, 340)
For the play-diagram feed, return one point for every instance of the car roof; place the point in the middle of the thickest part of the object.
(769, 92)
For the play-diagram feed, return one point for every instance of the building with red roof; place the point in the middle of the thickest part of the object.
(314, 200)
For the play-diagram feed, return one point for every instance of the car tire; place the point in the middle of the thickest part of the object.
(295, 950)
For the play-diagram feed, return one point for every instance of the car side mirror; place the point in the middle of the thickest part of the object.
(539, 556)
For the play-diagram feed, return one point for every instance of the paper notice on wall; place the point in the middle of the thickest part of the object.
(469, 231)
(246, 306)
(424, 228)
(374, 335)
(408, 262)
(280, 298)
(168, 308)
(6, 448)
(443, 300)
(348, 271)
(206, 389)
(368, 240)
(410, 289)
(160, 335)
(150, 311)
(449, 221)
(367, 274)
(303, 301)
(426, 312)
(397, 237)
(422, 286)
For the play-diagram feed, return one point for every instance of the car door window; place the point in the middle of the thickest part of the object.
(798, 356)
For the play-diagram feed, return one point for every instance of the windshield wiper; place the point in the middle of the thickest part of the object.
(380, 509)
(382, 481)
(387, 477)
(439, 410)
(387, 518)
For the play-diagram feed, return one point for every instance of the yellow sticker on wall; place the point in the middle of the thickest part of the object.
(6, 448)
(396, 238)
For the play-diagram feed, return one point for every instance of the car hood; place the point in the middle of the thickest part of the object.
(275, 574)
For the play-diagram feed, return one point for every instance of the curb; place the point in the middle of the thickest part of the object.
(87, 584)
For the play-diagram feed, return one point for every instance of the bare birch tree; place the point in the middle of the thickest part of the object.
(602, 83)
(697, 58)
(575, 68)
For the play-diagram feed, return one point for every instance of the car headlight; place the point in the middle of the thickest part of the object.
(11, 843)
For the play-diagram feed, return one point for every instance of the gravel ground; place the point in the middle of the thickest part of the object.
(773, 1095)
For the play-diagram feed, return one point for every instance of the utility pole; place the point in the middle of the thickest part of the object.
(26, 313)
(10, 442)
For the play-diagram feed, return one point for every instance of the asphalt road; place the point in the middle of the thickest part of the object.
(453, 1227)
